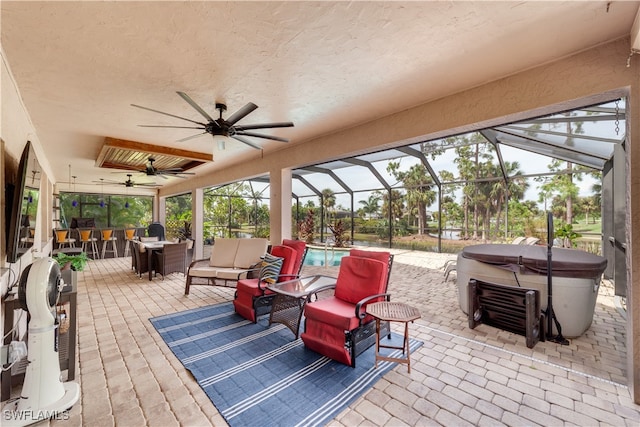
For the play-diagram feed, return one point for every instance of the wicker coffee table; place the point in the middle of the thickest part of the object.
(292, 296)
(393, 312)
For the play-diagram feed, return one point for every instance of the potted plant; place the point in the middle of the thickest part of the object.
(73, 262)
(70, 265)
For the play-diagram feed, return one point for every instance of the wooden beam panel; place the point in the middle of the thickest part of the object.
(124, 154)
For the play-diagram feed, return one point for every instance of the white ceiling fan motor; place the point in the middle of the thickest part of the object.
(43, 394)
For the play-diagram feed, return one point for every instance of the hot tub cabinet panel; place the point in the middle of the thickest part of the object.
(575, 278)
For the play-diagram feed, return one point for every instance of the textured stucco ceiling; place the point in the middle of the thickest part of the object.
(323, 65)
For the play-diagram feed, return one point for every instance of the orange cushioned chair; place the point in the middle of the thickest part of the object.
(338, 327)
(252, 298)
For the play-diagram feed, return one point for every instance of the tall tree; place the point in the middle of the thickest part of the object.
(328, 203)
(588, 205)
(465, 146)
(371, 206)
(450, 209)
(563, 187)
(419, 186)
(396, 204)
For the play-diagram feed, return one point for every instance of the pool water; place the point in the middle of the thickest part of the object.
(316, 256)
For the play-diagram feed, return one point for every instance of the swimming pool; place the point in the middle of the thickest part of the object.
(316, 256)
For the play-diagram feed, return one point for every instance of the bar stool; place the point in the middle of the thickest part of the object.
(107, 236)
(63, 239)
(89, 243)
(129, 234)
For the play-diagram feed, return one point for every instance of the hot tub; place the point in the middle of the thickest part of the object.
(575, 278)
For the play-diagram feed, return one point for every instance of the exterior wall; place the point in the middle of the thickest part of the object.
(15, 130)
(633, 235)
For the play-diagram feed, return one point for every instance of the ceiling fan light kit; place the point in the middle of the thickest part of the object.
(220, 126)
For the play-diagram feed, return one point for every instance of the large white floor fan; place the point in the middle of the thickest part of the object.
(43, 395)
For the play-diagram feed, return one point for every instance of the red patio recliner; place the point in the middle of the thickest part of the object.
(338, 327)
(252, 298)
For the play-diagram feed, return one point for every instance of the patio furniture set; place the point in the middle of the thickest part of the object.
(344, 315)
(337, 321)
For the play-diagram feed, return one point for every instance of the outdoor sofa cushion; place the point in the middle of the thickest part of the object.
(231, 259)
(253, 292)
(333, 327)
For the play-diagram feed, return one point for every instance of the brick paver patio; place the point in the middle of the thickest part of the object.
(485, 376)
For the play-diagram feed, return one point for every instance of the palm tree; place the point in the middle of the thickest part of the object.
(418, 184)
(370, 206)
(473, 152)
(397, 204)
(466, 171)
(589, 204)
(501, 192)
(562, 184)
(328, 202)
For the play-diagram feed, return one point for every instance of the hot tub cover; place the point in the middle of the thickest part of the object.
(533, 260)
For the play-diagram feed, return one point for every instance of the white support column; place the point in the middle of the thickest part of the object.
(280, 205)
(197, 222)
(159, 208)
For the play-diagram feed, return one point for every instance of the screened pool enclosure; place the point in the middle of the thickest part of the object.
(489, 185)
(493, 184)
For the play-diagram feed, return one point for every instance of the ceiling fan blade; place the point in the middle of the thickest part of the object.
(197, 107)
(107, 181)
(191, 137)
(176, 175)
(241, 113)
(246, 141)
(259, 135)
(265, 126)
(167, 114)
(170, 127)
(140, 184)
(172, 170)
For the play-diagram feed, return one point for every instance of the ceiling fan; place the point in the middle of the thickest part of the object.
(222, 127)
(151, 170)
(128, 183)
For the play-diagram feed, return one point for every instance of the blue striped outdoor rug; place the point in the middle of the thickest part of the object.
(258, 375)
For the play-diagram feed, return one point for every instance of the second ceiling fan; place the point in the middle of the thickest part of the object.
(128, 183)
(151, 170)
(223, 127)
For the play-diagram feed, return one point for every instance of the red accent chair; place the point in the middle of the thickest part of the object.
(338, 327)
(252, 298)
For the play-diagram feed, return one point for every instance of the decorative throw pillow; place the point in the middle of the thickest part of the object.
(271, 266)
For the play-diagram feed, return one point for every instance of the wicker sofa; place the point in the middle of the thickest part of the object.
(231, 260)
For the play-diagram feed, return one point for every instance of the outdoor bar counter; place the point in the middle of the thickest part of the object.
(117, 232)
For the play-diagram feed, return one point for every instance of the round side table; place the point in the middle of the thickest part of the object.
(393, 312)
